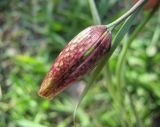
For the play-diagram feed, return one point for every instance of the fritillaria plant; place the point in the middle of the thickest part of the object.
(92, 48)
(81, 55)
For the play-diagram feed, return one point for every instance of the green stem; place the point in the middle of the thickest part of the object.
(94, 12)
(120, 93)
(119, 73)
(127, 14)
(109, 83)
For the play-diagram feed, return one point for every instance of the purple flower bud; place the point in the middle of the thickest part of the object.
(78, 57)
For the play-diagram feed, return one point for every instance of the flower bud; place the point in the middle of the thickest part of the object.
(78, 57)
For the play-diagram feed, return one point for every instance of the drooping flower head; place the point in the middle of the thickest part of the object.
(78, 57)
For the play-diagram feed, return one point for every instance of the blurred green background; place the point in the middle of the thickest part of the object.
(33, 32)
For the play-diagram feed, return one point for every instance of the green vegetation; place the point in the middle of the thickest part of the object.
(32, 34)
